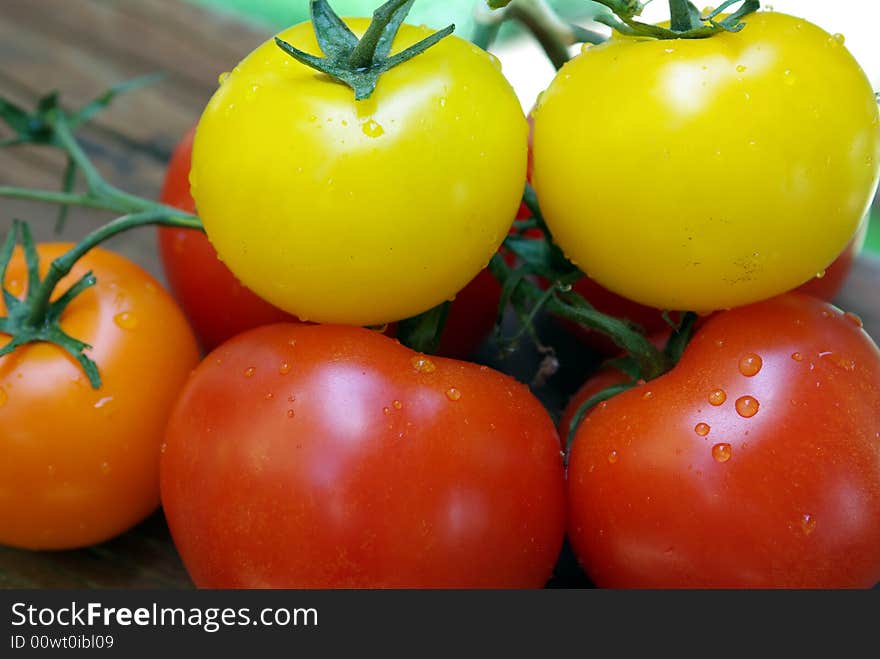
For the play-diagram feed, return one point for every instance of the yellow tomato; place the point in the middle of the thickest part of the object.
(709, 173)
(360, 212)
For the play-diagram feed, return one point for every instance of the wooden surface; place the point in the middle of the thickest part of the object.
(81, 47)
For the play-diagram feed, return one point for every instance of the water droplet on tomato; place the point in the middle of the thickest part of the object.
(648, 395)
(422, 364)
(747, 406)
(284, 369)
(222, 77)
(789, 78)
(290, 414)
(373, 129)
(702, 429)
(453, 394)
(717, 397)
(386, 411)
(613, 457)
(721, 452)
(808, 523)
(585, 47)
(854, 319)
(495, 61)
(15, 287)
(798, 357)
(270, 396)
(291, 398)
(443, 102)
(397, 405)
(163, 447)
(820, 275)
(750, 365)
(740, 69)
(126, 320)
(838, 39)
(249, 372)
(105, 467)
(51, 469)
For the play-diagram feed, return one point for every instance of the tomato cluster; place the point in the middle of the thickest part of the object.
(312, 449)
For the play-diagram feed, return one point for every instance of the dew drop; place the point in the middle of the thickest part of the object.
(747, 406)
(422, 364)
(290, 414)
(741, 69)
(397, 405)
(798, 357)
(163, 447)
(750, 365)
(854, 319)
(386, 411)
(270, 396)
(373, 129)
(808, 523)
(820, 275)
(15, 287)
(249, 372)
(284, 369)
(586, 47)
(648, 395)
(717, 397)
(721, 452)
(495, 61)
(105, 467)
(291, 398)
(453, 394)
(126, 320)
(702, 429)
(222, 77)
(51, 469)
(613, 457)
(838, 38)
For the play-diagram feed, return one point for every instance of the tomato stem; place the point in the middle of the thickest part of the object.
(355, 62)
(36, 317)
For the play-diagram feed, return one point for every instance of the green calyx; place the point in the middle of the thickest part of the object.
(686, 21)
(355, 62)
(34, 319)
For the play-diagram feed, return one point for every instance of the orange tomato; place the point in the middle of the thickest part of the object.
(80, 465)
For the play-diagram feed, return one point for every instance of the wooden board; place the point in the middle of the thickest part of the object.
(82, 47)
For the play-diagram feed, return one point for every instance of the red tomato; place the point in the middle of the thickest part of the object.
(219, 306)
(330, 456)
(753, 463)
(81, 465)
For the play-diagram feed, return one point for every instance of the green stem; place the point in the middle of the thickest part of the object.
(364, 53)
(554, 35)
(67, 199)
(62, 265)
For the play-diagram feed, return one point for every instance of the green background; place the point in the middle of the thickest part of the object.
(436, 13)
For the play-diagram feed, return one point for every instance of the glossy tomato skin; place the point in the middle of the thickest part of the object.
(330, 456)
(386, 206)
(215, 302)
(753, 463)
(218, 306)
(707, 116)
(81, 465)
